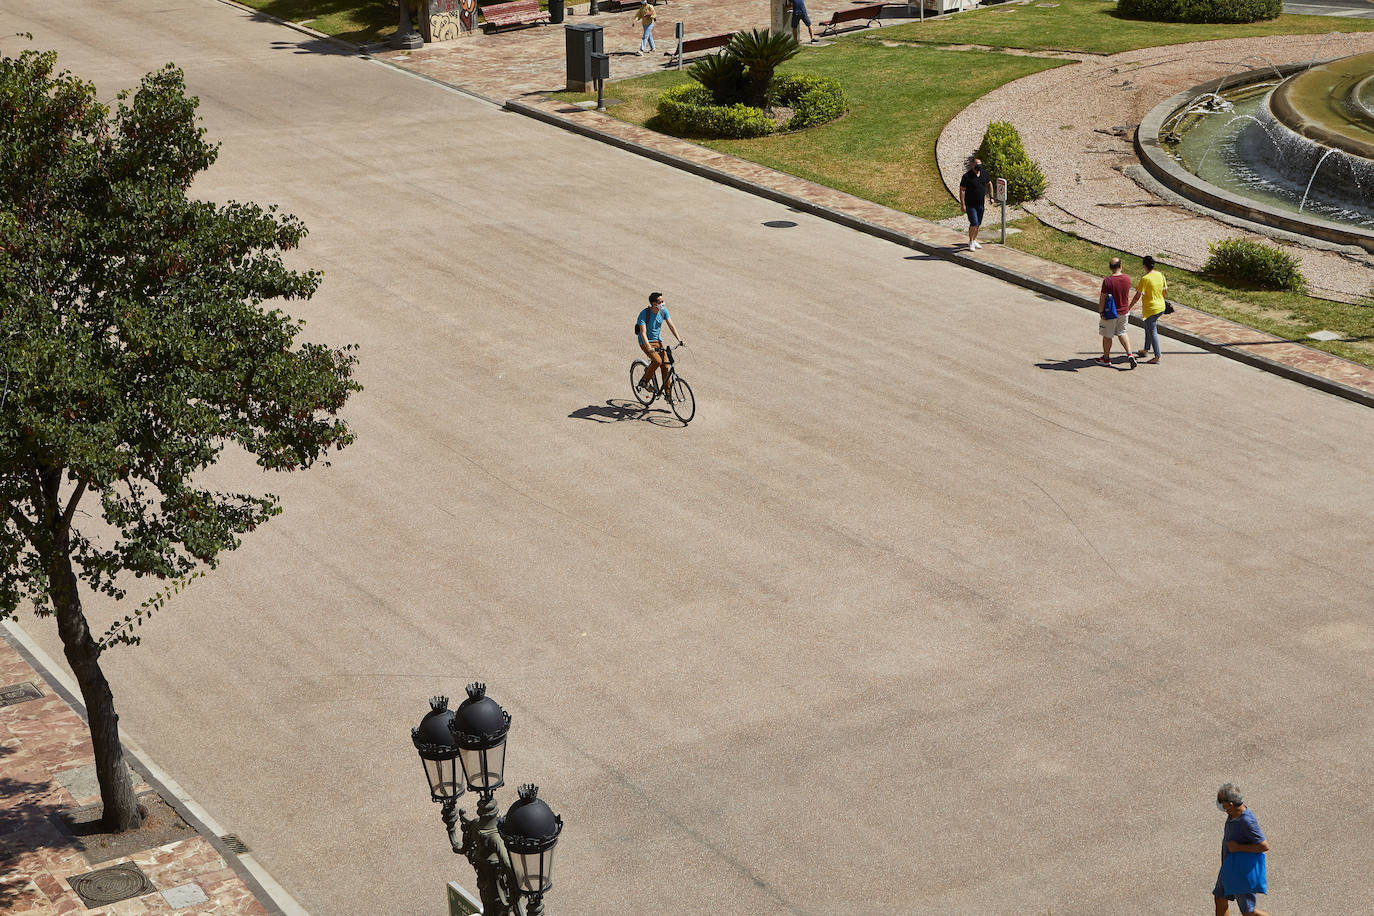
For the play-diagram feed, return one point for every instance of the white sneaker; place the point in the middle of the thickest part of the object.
(974, 246)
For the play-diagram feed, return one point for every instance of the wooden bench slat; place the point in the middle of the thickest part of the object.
(701, 44)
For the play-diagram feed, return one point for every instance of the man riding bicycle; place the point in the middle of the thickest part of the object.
(647, 328)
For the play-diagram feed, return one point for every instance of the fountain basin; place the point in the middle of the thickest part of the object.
(1329, 105)
(1162, 164)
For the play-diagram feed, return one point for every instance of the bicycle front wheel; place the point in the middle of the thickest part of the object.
(637, 370)
(684, 405)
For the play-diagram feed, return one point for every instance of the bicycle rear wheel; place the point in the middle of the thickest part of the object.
(637, 370)
(683, 403)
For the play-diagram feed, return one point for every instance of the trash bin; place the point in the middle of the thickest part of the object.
(555, 11)
(583, 39)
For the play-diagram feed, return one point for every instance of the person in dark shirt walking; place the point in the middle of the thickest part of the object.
(1241, 834)
(973, 194)
(1113, 321)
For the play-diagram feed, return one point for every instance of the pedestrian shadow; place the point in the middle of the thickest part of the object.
(1081, 362)
(617, 411)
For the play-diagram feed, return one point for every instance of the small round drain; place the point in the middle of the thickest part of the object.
(110, 885)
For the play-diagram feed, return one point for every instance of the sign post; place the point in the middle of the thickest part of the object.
(1001, 194)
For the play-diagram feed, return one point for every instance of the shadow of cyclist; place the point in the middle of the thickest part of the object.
(616, 411)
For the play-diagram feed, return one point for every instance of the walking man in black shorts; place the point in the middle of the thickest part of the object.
(973, 193)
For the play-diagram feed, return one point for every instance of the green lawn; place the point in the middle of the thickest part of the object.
(358, 21)
(1283, 314)
(884, 149)
(1095, 27)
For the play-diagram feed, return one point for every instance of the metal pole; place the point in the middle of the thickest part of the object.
(601, 105)
(680, 30)
(1004, 221)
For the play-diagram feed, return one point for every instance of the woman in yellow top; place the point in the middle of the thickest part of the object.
(1151, 288)
(645, 17)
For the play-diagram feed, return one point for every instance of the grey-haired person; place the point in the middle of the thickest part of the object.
(1241, 834)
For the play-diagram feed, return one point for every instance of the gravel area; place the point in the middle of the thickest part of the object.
(1077, 122)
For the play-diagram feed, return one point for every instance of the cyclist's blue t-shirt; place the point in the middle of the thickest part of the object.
(652, 323)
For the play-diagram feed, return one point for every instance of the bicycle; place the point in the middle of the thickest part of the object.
(679, 395)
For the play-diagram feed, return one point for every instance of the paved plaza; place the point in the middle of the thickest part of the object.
(921, 614)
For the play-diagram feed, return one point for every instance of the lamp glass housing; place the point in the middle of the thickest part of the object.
(484, 768)
(444, 781)
(533, 871)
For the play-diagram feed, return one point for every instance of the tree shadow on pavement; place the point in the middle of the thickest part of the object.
(617, 411)
(28, 825)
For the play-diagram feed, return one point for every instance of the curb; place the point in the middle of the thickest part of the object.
(953, 255)
(263, 886)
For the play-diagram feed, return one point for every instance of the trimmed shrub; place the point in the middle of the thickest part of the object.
(1200, 10)
(689, 110)
(1004, 156)
(813, 99)
(722, 75)
(1251, 262)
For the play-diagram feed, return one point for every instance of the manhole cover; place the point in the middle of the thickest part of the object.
(110, 885)
(19, 693)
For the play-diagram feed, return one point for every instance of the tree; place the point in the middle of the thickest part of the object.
(136, 348)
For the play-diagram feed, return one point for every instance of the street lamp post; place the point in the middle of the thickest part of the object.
(406, 38)
(512, 856)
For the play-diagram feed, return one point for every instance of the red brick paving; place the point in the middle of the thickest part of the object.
(39, 739)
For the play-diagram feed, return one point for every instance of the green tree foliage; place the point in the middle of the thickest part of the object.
(761, 52)
(1203, 11)
(1255, 264)
(136, 347)
(1004, 156)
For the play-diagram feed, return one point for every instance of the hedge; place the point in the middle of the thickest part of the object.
(1251, 262)
(813, 99)
(1004, 156)
(1200, 10)
(689, 111)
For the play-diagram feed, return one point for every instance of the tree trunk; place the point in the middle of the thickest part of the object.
(116, 788)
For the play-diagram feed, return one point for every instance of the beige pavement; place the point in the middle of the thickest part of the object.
(922, 613)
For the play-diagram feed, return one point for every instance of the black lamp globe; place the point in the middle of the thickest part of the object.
(530, 831)
(479, 728)
(434, 741)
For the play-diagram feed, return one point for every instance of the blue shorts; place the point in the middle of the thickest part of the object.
(1246, 902)
(799, 16)
(975, 215)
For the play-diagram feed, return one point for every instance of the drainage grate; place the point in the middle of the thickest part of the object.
(110, 885)
(236, 846)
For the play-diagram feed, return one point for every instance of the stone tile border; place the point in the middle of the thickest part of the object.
(1314, 368)
(42, 738)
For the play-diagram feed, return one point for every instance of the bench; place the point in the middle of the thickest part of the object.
(873, 12)
(689, 45)
(517, 12)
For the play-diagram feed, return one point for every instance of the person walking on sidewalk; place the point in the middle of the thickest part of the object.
(1241, 834)
(646, 17)
(1150, 289)
(1113, 316)
(973, 192)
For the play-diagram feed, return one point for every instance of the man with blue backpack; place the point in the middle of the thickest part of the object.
(1114, 314)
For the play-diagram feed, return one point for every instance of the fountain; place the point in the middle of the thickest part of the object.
(1297, 154)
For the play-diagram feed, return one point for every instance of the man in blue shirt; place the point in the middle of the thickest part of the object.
(1241, 834)
(647, 328)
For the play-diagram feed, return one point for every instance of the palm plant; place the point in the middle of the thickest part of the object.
(761, 52)
(722, 75)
